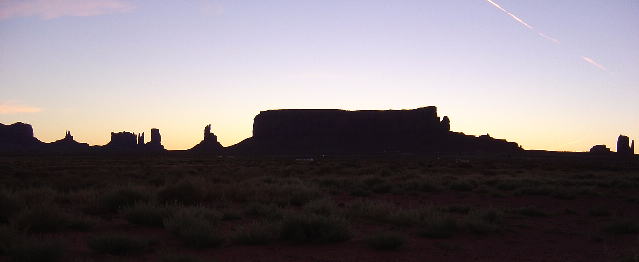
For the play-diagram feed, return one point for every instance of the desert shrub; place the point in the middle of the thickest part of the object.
(463, 185)
(228, 215)
(483, 221)
(299, 196)
(37, 196)
(599, 212)
(258, 210)
(621, 227)
(383, 212)
(184, 192)
(257, 233)
(118, 245)
(360, 192)
(421, 185)
(41, 219)
(178, 258)
(529, 212)
(36, 250)
(386, 241)
(146, 214)
(9, 206)
(324, 207)
(116, 199)
(8, 237)
(438, 226)
(195, 227)
(456, 209)
(299, 228)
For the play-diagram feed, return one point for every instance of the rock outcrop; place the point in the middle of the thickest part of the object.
(600, 149)
(68, 145)
(156, 141)
(331, 131)
(141, 139)
(623, 146)
(122, 141)
(18, 137)
(209, 144)
(127, 142)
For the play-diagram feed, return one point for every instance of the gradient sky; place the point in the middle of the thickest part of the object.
(97, 66)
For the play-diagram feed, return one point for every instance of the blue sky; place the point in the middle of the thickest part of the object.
(97, 66)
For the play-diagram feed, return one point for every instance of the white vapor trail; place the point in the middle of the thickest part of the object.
(511, 15)
(594, 63)
(541, 34)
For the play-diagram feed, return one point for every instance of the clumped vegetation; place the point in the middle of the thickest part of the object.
(118, 245)
(195, 227)
(309, 228)
(386, 241)
(170, 208)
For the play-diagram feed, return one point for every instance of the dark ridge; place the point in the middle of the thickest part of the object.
(309, 132)
(332, 131)
(18, 137)
(209, 144)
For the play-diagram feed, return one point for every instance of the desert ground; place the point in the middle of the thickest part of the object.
(180, 207)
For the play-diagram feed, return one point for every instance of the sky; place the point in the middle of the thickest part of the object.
(548, 74)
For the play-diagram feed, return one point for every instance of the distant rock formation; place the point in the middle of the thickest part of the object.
(141, 139)
(623, 146)
(209, 144)
(131, 143)
(446, 123)
(156, 138)
(68, 145)
(122, 141)
(156, 141)
(332, 131)
(18, 137)
(600, 149)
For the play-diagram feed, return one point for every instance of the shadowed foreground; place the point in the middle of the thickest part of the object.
(186, 208)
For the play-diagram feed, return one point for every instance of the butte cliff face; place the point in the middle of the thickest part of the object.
(624, 147)
(130, 142)
(209, 144)
(331, 131)
(18, 137)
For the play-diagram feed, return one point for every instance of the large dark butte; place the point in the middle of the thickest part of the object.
(333, 131)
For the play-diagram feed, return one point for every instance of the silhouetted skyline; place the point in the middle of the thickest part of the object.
(546, 74)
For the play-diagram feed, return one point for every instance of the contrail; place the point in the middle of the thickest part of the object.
(594, 63)
(554, 40)
(541, 34)
(521, 21)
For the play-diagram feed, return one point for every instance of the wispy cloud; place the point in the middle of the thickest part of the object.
(594, 63)
(50, 9)
(14, 108)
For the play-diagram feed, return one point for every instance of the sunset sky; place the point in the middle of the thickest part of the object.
(555, 75)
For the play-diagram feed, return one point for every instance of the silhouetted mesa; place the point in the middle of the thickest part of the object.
(122, 141)
(600, 149)
(209, 144)
(18, 137)
(332, 131)
(623, 146)
(130, 142)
